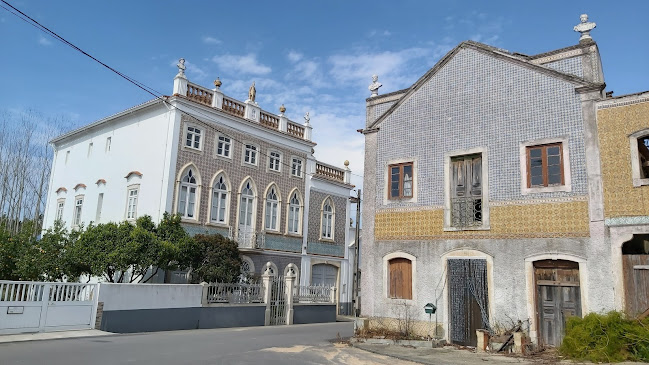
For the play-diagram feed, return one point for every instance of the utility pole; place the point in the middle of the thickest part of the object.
(357, 251)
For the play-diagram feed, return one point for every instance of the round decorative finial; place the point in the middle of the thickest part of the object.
(282, 109)
(346, 163)
(217, 83)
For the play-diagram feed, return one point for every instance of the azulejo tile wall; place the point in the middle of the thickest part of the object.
(539, 220)
(340, 223)
(614, 125)
(570, 66)
(498, 107)
(282, 243)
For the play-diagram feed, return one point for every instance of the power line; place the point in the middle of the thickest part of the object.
(156, 94)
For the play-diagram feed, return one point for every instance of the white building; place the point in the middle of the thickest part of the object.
(226, 166)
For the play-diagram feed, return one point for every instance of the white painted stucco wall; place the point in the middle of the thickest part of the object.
(142, 141)
(149, 296)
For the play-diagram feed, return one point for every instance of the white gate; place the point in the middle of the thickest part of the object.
(39, 307)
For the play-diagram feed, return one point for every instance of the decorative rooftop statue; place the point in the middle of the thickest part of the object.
(252, 93)
(307, 118)
(374, 87)
(181, 67)
(584, 27)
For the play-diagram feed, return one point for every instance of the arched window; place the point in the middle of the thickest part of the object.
(400, 278)
(246, 213)
(294, 214)
(187, 194)
(219, 208)
(272, 210)
(327, 230)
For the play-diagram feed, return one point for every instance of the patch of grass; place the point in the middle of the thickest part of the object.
(607, 337)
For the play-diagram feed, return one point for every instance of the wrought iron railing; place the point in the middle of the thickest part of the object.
(246, 239)
(235, 293)
(466, 212)
(314, 294)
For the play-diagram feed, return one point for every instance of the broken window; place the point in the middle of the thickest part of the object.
(401, 180)
(466, 191)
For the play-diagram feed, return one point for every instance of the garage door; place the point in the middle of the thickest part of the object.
(324, 274)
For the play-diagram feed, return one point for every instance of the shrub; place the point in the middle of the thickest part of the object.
(607, 337)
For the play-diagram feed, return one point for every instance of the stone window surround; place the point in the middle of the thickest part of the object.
(216, 146)
(301, 170)
(228, 188)
(281, 161)
(251, 264)
(255, 200)
(386, 274)
(300, 216)
(202, 139)
(485, 188)
(243, 154)
(59, 201)
(199, 188)
(638, 180)
(386, 180)
(333, 219)
(566, 187)
(279, 208)
(128, 192)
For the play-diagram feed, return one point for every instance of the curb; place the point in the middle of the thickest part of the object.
(354, 344)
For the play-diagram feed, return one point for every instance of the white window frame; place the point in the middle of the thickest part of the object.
(78, 211)
(100, 204)
(567, 186)
(386, 276)
(256, 150)
(302, 166)
(201, 140)
(217, 142)
(60, 208)
(90, 145)
(197, 192)
(636, 175)
(300, 212)
(277, 208)
(228, 195)
(333, 219)
(253, 222)
(485, 189)
(109, 141)
(132, 188)
(278, 161)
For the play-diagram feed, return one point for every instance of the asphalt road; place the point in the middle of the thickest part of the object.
(297, 344)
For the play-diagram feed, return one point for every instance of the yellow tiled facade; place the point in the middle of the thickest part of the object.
(615, 124)
(540, 220)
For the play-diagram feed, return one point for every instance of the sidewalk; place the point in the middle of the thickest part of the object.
(450, 355)
(52, 335)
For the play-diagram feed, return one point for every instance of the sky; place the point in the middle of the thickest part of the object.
(315, 56)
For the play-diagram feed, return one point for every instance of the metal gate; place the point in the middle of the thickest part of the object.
(40, 307)
(278, 305)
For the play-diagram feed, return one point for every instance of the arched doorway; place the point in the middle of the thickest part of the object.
(635, 266)
(558, 297)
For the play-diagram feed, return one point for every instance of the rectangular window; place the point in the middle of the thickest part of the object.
(274, 161)
(250, 154)
(60, 204)
(545, 165)
(296, 167)
(108, 142)
(401, 180)
(89, 149)
(131, 204)
(78, 205)
(223, 146)
(193, 137)
(100, 202)
(67, 157)
(466, 191)
(294, 219)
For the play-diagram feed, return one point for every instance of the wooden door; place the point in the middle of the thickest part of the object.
(558, 297)
(636, 283)
(467, 299)
(400, 278)
(466, 191)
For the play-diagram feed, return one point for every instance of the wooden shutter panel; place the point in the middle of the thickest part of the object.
(400, 278)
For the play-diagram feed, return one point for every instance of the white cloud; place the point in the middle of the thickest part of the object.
(246, 64)
(44, 41)
(294, 56)
(211, 40)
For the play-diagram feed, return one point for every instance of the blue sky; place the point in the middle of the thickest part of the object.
(315, 56)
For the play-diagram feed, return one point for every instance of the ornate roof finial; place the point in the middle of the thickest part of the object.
(217, 83)
(252, 92)
(374, 87)
(584, 28)
(346, 163)
(181, 68)
(282, 109)
(307, 118)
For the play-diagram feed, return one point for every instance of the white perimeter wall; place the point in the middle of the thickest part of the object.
(149, 296)
(140, 141)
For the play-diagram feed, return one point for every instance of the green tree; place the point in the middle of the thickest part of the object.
(9, 255)
(214, 258)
